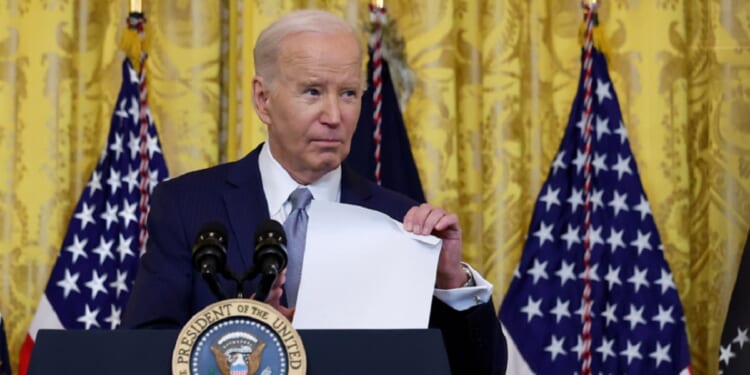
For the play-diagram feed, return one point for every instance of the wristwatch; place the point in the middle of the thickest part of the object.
(470, 282)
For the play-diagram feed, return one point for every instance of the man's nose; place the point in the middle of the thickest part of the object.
(331, 115)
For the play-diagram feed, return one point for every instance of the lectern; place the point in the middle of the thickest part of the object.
(329, 352)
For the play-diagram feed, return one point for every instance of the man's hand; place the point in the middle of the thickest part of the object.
(426, 219)
(274, 297)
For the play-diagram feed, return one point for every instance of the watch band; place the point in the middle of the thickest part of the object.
(470, 282)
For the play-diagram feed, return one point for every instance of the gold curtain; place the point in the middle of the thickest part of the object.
(493, 85)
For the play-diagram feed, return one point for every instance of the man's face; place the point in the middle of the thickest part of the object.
(312, 105)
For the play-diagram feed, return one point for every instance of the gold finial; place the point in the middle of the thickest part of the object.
(135, 6)
(378, 3)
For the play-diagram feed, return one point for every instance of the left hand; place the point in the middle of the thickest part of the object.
(426, 219)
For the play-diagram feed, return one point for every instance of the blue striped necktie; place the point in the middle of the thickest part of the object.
(296, 232)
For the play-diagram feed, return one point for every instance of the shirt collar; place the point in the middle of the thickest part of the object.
(278, 184)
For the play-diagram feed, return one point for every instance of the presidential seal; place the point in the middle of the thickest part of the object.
(238, 337)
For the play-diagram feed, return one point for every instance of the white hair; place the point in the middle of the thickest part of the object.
(266, 51)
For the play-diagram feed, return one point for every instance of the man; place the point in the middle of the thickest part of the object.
(307, 90)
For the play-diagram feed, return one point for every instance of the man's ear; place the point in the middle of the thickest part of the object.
(261, 97)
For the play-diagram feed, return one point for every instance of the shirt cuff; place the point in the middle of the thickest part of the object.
(461, 299)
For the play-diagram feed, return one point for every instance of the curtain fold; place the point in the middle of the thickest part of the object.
(487, 87)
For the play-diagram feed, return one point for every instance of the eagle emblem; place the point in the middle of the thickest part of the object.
(238, 353)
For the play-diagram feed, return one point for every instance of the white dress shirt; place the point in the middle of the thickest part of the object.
(278, 184)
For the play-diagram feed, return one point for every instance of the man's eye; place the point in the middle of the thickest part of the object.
(312, 91)
(350, 93)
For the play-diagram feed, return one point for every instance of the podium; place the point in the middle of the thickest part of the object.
(329, 352)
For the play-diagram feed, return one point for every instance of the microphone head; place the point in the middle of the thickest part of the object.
(270, 246)
(209, 253)
(270, 230)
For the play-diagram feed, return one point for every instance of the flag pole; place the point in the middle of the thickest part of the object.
(377, 20)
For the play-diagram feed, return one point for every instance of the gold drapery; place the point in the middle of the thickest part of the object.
(494, 84)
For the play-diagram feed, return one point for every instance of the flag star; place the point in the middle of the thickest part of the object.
(578, 348)
(560, 310)
(110, 214)
(609, 313)
(89, 318)
(121, 112)
(131, 179)
(618, 202)
(726, 354)
(606, 349)
(559, 163)
(128, 213)
(95, 183)
(600, 163)
(660, 354)
(602, 127)
(613, 277)
(581, 124)
(114, 180)
(134, 144)
(86, 215)
(565, 272)
(96, 284)
(116, 146)
(104, 250)
(532, 308)
(615, 239)
(596, 199)
(632, 351)
(579, 161)
(664, 316)
(114, 317)
(595, 236)
(123, 247)
(516, 272)
(741, 338)
(119, 284)
(153, 179)
(622, 132)
(602, 90)
(544, 233)
(643, 207)
(555, 347)
(69, 283)
(571, 236)
(622, 167)
(133, 75)
(639, 278)
(550, 198)
(593, 274)
(152, 144)
(539, 270)
(665, 281)
(575, 199)
(642, 241)
(77, 248)
(635, 316)
(579, 312)
(134, 109)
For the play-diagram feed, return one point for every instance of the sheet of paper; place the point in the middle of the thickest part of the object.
(363, 271)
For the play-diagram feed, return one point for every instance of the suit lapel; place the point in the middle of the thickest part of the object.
(246, 204)
(354, 189)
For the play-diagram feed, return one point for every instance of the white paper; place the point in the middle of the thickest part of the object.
(362, 270)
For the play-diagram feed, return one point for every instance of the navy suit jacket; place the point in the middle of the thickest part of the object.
(167, 292)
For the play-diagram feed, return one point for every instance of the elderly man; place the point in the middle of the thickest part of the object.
(307, 90)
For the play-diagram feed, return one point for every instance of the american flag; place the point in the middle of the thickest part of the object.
(94, 272)
(637, 324)
(4, 360)
(734, 357)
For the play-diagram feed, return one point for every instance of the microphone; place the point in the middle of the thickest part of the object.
(210, 254)
(270, 255)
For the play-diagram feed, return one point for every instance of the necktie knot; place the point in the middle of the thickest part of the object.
(300, 198)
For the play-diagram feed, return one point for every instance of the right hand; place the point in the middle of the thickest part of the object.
(274, 297)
